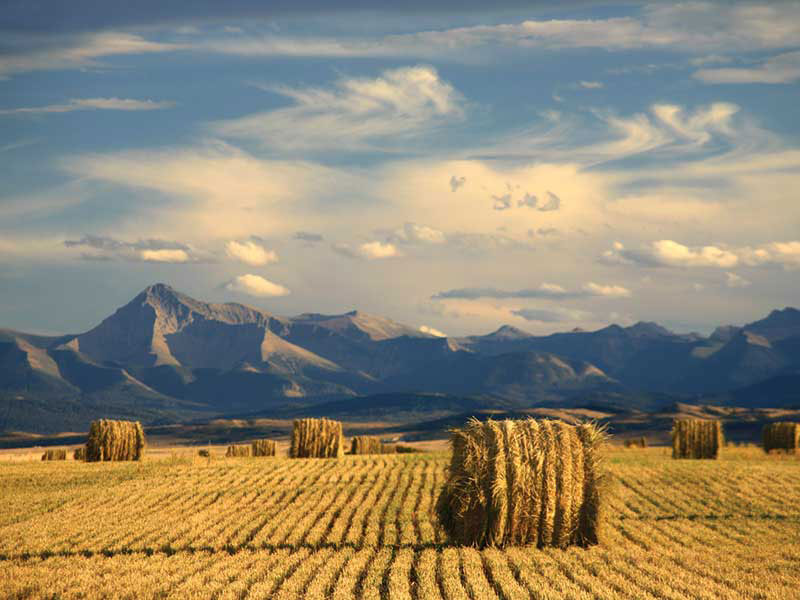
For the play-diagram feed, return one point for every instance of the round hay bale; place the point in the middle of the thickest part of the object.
(263, 447)
(79, 453)
(238, 451)
(697, 438)
(781, 437)
(366, 444)
(111, 440)
(55, 454)
(317, 438)
(518, 482)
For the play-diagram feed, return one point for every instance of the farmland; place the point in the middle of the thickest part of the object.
(181, 526)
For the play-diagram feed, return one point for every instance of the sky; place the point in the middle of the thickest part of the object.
(452, 166)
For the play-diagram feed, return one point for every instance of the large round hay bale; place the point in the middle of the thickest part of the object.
(263, 447)
(366, 444)
(238, 451)
(523, 482)
(696, 438)
(782, 437)
(115, 440)
(317, 438)
(79, 453)
(55, 454)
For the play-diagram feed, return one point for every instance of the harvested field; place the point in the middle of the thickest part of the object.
(365, 526)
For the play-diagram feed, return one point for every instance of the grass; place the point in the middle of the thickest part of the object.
(364, 526)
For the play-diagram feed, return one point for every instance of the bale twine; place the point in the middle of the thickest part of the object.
(517, 482)
(696, 438)
(115, 440)
(240, 450)
(57, 454)
(783, 437)
(317, 438)
(263, 447)
(79, 453)
(367, 444)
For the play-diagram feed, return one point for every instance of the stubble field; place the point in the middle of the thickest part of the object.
(364, 527)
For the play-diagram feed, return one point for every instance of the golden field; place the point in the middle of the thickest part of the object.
(180, 526)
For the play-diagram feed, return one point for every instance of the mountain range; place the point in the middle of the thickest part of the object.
(166, 357)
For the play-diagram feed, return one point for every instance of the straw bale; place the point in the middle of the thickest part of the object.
(781, 437)
(696, 438)
(263, 447)
(317, 438)
(115, 440)
(240, 450)
(55, 454)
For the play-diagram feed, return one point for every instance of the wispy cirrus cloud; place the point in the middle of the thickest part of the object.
(355, 113)
(548, 291)
(782, 68)
(49, 53)
(90, 104)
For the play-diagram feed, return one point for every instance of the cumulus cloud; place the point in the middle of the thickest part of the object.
(413, 233)
(250, 253)
(608, 291)
(673, 254)
(553, 203)
(456, 183)
(90, 104)
(255, 285)
(501, 202)
(528, 201)
(432, 331)
(375, 250)
(368, 250)
(150, 250)
(399, 104)
(164, 256)
(783, 68)
(732, 280)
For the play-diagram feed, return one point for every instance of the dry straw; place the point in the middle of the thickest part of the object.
(317, 438)
(367, 444)
(263, 447)
(79, 453)
(115, 440)
(240, 450)
(696, 438)
(783, 437)
(523, 482)
(58, 454)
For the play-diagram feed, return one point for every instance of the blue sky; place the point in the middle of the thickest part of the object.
(447, 166)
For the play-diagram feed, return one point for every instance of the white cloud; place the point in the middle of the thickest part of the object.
(783, 68)
(399, 104)
(164, 256)
(412, 233)
(39, 53)
(250, 253)
(91, 104)
(591, 85)
(674, 254)
(376, 250)
(732, 280)
(699, 127)
(432, 331)
(683, 27)
(456, 183)
(609, 291)
(255, 285)
(786, 254)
